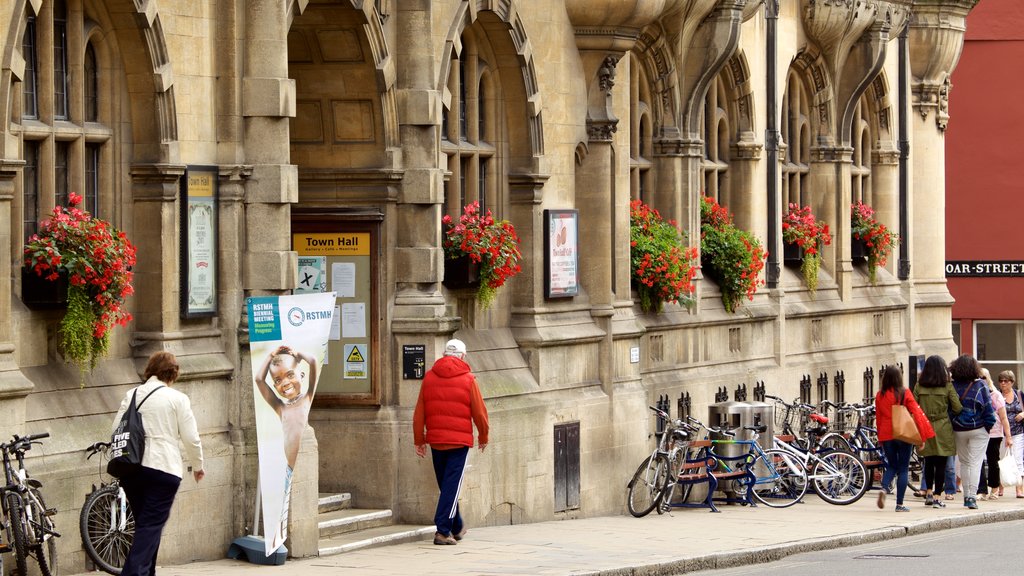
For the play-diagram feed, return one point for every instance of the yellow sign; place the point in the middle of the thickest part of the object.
(355, 356)
(331, 243)
(200, 183)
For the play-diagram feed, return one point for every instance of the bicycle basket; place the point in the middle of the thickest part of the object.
(781, 416)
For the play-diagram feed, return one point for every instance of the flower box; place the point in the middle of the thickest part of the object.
(858, 249)
(791, 255)
(461, 273)
(38, 293)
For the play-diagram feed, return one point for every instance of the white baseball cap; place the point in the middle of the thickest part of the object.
(455, 347)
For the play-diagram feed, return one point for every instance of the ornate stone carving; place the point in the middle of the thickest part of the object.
(936, 40)
(601, 130)
(606, 73)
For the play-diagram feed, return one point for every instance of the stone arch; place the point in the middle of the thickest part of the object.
(813, 72)
(737, 78)
(655, 56)
(882, 107)
(506, 33)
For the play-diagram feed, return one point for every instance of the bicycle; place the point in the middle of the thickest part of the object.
(106, 522)
(647, 486)
(27, 522)
(837, 476)
(773, 477)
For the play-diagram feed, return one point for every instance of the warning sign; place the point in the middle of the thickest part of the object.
(355, 361)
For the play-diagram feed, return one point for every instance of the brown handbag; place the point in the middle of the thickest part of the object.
(903, 426)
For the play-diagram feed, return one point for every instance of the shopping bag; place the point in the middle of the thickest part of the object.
(903, 426)
(1009, 474)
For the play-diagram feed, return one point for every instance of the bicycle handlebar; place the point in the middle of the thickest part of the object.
(94, 448)
(23, 443)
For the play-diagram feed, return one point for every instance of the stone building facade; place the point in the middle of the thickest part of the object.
(378, 118)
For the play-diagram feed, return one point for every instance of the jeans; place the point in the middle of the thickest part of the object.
(951, 475)
(897, 464)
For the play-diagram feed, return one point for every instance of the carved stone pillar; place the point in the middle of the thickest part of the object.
(829, 185)
(936, 41)
(14, 387)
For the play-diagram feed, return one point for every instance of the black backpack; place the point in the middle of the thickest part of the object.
(128, 442)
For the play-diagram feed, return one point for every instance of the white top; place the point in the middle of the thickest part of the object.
(167, 416)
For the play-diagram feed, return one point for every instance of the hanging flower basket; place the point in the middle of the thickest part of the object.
(878, 240)
(492, 245)
(95, 261)
(662, 267)
(38, 293)
(805, 235)
(731, 257)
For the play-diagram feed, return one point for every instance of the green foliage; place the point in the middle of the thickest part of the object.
(732, 257)
(76, 336)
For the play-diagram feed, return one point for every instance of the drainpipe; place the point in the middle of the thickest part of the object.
(904, 265)
(771, 138)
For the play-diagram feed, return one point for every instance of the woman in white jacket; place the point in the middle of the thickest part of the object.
(167, 417)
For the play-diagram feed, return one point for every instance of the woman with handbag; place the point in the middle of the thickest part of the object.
(935, 395)
(971, 425)
(997, 435)
(1015, 415)
(898, 420)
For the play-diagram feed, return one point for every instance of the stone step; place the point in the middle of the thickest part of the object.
(374, 537)
(329, 502)
(351, 520)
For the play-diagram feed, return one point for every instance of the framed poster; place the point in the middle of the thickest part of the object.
(198, 241)
(561, 253)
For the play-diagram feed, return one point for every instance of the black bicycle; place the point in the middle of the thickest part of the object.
(106, 522)
(27, 522)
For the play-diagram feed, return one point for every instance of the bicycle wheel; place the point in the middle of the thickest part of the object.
(647, 485)
(17, 530)
(41, 537)
(840, 478)
(108, 528)
(782, 483)
(832, 442)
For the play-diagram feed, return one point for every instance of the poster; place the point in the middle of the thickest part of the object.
(199, 245)
(312, 275)
(561, 254)
(288, 346)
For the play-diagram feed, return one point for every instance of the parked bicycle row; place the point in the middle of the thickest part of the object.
(891, 440)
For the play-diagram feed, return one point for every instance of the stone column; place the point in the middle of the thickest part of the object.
(936, 41)
(829, 186)
(419, 308)
(14, 387)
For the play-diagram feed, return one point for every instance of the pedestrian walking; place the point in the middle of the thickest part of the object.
(167, 416)
(1015, 414)
(937, 398)
(448, 406)
(999, 434)
(897, 452)
(971, 425)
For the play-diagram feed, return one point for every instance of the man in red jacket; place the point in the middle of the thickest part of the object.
(448, 406)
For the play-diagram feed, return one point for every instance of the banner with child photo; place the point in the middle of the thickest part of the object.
(288, 344)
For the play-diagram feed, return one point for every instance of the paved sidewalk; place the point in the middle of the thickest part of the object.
(685, 540)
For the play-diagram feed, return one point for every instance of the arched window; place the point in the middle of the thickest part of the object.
(471, 144)
(641, 147)
(716, 134)
(63, 123)
(796, 140)
(861, 138)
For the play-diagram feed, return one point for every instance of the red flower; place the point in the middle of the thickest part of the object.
(492, 244)
(97, 259)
